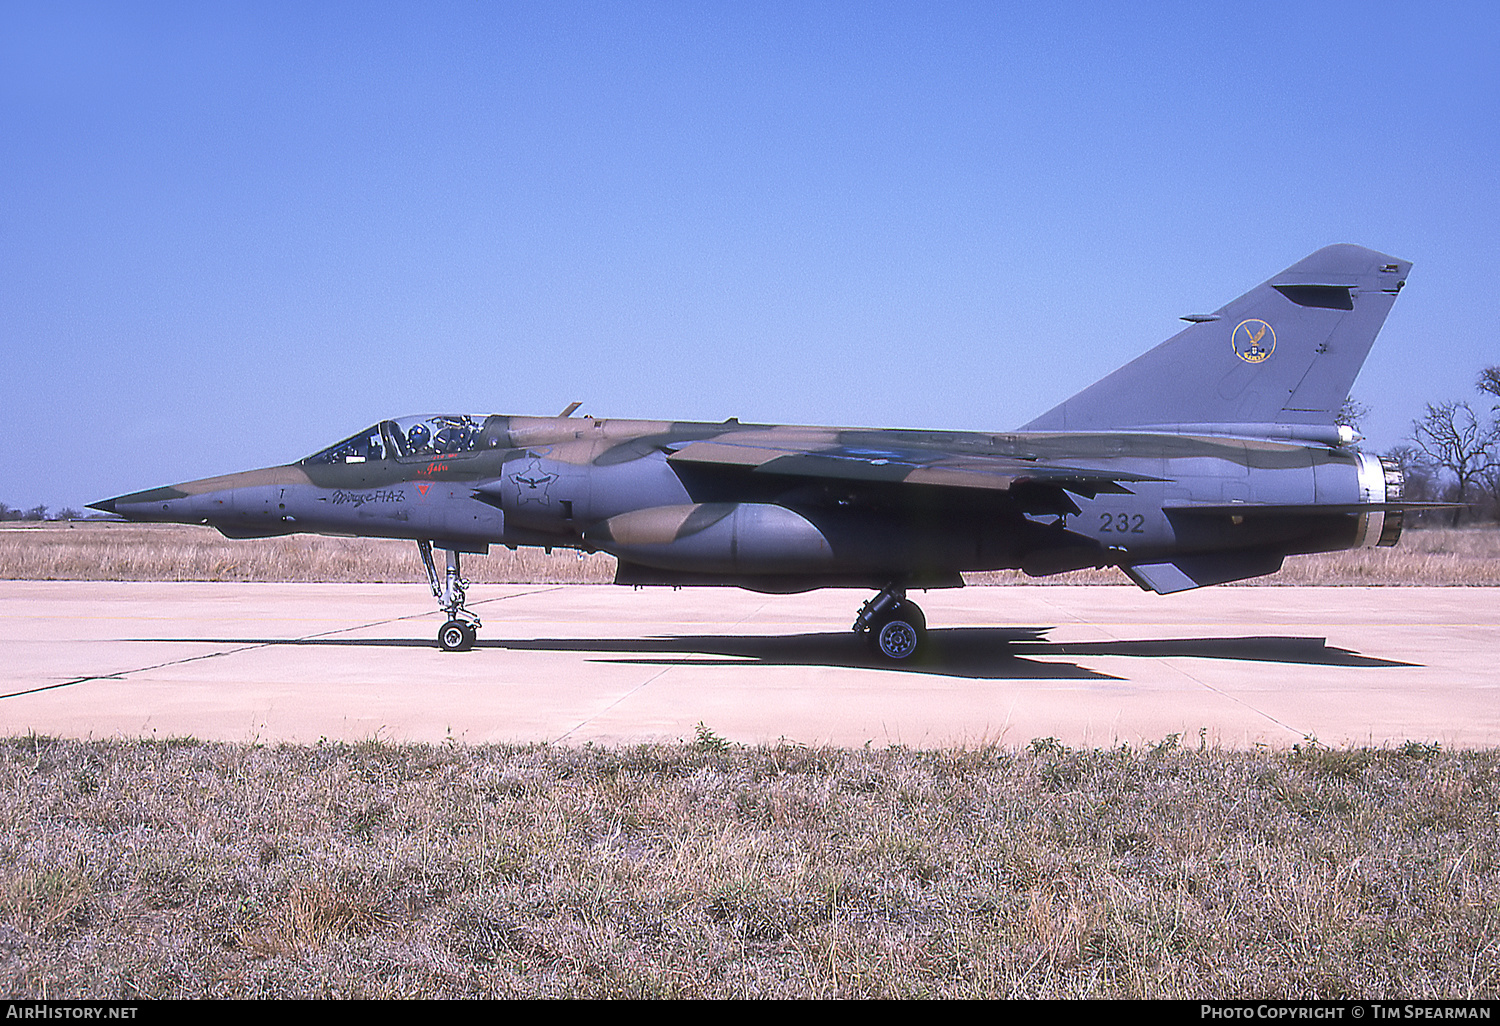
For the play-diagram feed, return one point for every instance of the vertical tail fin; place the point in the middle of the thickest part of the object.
(1286, 352)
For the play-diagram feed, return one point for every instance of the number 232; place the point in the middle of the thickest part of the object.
(1121, 523)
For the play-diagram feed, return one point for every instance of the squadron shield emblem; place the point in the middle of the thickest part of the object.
(532, 484)
(1253, 341)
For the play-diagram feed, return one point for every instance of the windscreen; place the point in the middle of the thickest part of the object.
(439, 434)
(369, 445)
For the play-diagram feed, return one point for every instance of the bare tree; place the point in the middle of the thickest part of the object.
(1453, 438)
(1351, 413)
(1420, 477)
(1489, 381)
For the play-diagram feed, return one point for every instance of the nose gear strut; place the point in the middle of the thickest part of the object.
(458, 634)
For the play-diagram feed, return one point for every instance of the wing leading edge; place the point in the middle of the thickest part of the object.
(934, 466)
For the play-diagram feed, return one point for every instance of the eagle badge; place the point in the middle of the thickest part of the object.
(1254, 341)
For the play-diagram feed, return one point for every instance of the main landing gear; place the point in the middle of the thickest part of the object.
(458, 634)
(892, 626)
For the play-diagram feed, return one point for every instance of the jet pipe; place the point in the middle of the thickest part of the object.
(1380, 480)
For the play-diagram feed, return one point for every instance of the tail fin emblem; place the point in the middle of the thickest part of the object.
(1253, 340)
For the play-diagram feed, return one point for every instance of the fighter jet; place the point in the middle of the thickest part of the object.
(1210, 458)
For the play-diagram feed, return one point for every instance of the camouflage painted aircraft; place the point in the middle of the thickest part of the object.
(1208, 459)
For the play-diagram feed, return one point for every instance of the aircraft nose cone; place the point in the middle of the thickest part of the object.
(154, 504)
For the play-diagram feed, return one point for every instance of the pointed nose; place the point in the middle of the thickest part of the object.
(231, 498)
(153, 504)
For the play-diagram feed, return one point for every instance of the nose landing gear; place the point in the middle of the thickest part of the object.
(462, 628)
(892, 626)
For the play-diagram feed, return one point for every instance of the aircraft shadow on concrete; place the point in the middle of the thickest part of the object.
(984, 653)
(978, 652)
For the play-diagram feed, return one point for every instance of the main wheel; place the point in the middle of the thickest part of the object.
(456, 636)
(900, 632)
(897, 639)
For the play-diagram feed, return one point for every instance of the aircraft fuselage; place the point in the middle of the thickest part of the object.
(617, 486)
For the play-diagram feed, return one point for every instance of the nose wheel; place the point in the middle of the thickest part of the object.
(893, 626)
(462, 628)
(457, 636)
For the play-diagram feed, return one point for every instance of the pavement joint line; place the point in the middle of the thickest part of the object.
(1305, 735)
(589, 719)
(682, 658)
(123, 674)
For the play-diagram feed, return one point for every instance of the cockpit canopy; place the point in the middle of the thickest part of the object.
(442, 434)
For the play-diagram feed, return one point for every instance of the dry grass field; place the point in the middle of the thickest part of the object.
(95, 550)
(112, 551)
(181, 869)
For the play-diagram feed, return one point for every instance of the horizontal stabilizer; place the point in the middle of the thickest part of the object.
(1200, 570)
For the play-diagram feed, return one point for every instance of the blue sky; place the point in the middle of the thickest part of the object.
(231, 234)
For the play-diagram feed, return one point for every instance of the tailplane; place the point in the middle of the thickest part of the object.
(1285, 353)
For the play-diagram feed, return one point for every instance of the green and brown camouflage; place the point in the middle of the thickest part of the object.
(1209, 459)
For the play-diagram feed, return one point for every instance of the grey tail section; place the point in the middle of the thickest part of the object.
(1285, 353)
